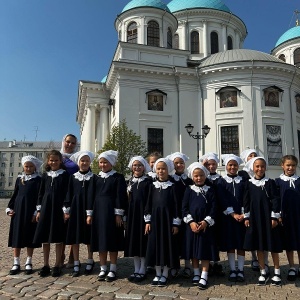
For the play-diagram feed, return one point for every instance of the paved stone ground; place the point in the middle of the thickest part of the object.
(87, 287)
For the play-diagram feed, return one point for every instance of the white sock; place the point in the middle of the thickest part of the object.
(142, 268)
(137, 264)
(103, 268)
(277, 271)
(197, 272)
(16, 262)
(275, 278)
(158, 271)
(263, 272)
(241, 262)
(113, 267)
(204, 275)
(231, 261)
(89, 265)
(28, 260)
(166, 271)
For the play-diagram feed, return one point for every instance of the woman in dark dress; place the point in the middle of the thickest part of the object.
(22, 209)
(135, 239)
(81, 188)
(262, 216)
(108, 208)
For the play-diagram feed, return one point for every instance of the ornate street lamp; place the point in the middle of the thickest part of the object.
(205, 129)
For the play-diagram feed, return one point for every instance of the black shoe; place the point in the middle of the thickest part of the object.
(292, 274)
(196, 279)
(131, 278)
(102, 275)
(240, 276)
(29, 270)
(155, 282)
(76, 271)
(44, 271)
(139, 278)
(56, 271)
(232, 276)
(89, 271)
(255, 265)
(202, 286)
(162, 283)
(276, 282)
(110, 278)
(263, 279)
(15, 271)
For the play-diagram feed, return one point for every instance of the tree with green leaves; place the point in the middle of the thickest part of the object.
(127, 143)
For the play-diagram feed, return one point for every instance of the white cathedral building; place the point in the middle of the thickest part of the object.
(184, 62)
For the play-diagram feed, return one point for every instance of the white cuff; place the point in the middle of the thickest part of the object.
(35, 213)
(38, 207)
(228, 211)
(176, 221)
(8, 210)
(124, 218)
(247, 215)
(119, 212)
(275, 215)
(188, 219)
(209, 220)
(66, 210)
(147, 218)
(89, 213)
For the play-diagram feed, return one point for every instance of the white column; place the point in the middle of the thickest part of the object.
(237, 40)
(205, 39)
(183, 45)
(90, 128)
(104, 111)
(224, 38)
(141, 31)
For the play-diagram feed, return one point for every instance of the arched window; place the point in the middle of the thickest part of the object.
(132, 33)
(297, 57)
(176, 41)
(169, 39)
(282, 57)
(214, 42)
(195, 42)
(153, 34)
(229, 43)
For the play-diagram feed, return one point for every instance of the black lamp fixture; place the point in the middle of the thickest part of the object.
(205, 129)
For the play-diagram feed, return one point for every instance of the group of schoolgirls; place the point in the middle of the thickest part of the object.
(169, 214)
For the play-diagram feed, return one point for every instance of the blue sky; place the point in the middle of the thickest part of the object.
(47, 46)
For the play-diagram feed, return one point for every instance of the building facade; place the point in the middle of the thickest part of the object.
(11, 154)
(184, 63)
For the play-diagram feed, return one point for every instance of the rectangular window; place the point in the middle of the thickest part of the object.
(11, 165)
(274, 145)
(156, 140)
(230, 140)
(3, 155)
(12, 155)
(10, 184)
(3, 165)
(20, 155)
(20, 165)
(11, 174)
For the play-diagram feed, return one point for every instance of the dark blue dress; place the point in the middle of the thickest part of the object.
(290, 210)
(231, 191)
(162, 213)
(81, 188)
(23, 203)
(51, 227)
(199, 204)
(110, 200)
(260, 200)
(135, 238)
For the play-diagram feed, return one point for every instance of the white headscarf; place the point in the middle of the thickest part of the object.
(196, 165)
(142, 160)
(244, 155)
(175, 155)
(30, 158)
(78, 155)
(210, 156)
(249, 165)
(167, 161)
(111, 156)
(62, 150)
(228, 157)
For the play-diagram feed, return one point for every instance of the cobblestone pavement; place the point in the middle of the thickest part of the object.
(87, 287)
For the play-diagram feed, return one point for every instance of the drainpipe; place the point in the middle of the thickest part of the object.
(176, 77)
(201, 113)
(291, 110)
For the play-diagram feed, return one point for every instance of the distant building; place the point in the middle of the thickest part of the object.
(184, 63)
(11, 154)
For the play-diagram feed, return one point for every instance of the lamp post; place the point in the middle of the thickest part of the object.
(205, 129)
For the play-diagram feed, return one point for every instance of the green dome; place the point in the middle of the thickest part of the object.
(177, 5)
(289, 35)
(142, 3)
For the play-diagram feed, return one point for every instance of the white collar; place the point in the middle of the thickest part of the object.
(214, 176)
(162, 185)
(260, 182)
(200, 189)
(83, 177)
(291, 179)
(134, 180)
(236, 179)
(25, 177)
(107, 174)
(178, 177)
(152, 174)
(56, 173)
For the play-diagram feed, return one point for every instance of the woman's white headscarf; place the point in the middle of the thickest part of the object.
(209, 156)
(249, 165)
(30, 158)
(228, 157)
(175, 155)
(244, 155)
(77, 156)
(196, 165)
(62, 150)
(142, 160)
(168, 162)
(111, 156)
